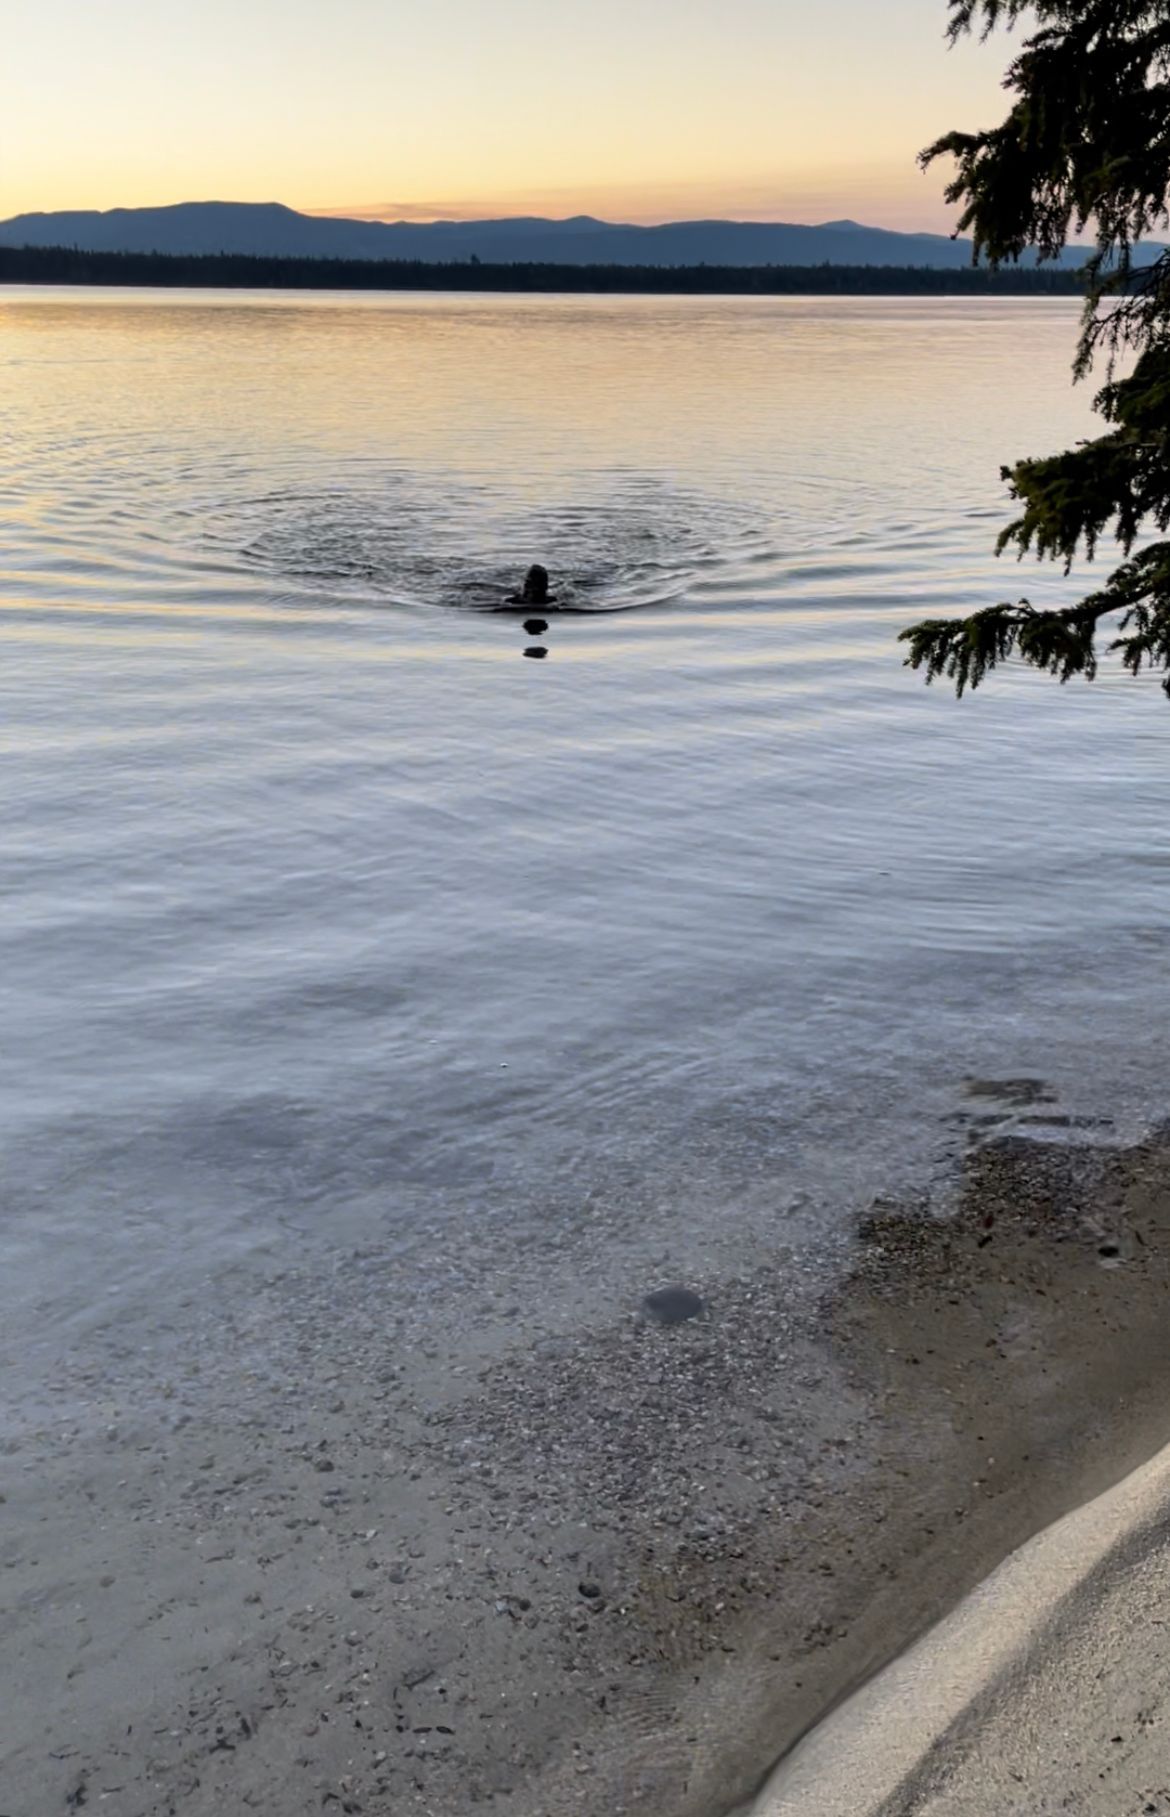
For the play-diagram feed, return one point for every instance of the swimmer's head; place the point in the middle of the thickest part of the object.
(535, 586)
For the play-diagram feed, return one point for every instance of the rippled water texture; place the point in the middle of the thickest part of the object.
(322, 901)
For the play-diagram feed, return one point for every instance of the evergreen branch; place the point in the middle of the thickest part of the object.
(963, 649)
(1085, 146)
(1062, 642)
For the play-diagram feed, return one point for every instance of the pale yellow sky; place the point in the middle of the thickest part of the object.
(631, 109)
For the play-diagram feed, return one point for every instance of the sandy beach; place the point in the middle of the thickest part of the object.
(1045, 1690)
(298, 1545)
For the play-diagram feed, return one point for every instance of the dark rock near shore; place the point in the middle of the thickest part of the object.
(672, 1305)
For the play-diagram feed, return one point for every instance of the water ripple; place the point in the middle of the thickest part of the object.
(281, 826)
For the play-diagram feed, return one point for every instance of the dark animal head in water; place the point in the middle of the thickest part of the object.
(535, 586)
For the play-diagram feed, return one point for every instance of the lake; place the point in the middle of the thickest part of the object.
(337, 901)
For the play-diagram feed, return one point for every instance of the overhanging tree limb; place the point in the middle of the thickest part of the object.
(1085, 145)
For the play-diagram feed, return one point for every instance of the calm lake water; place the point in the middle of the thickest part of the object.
(327, 898)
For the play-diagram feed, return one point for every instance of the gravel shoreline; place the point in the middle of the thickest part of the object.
(316, 1543)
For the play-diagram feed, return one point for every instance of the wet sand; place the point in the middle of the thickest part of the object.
(312, 1541)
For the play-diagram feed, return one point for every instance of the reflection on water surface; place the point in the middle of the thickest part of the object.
(321, 904)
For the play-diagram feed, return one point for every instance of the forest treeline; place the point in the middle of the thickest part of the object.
(69, 265)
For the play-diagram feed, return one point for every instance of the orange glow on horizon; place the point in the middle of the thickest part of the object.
(630, 110)
(891, 195)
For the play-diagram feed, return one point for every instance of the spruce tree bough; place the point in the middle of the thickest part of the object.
(1085, 147)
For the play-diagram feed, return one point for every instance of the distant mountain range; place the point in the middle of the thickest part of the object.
(268, 229)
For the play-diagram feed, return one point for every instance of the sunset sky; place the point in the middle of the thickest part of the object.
(632, 109)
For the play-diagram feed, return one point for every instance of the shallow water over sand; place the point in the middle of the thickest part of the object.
(327, 908)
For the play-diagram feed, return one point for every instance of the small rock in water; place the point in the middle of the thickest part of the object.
(673, 1305)
(535, 626)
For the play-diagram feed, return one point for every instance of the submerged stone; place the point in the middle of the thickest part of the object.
(672, 1305)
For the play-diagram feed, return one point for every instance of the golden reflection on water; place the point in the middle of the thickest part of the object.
(617, 384)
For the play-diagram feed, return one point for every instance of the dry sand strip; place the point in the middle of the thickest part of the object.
(1047, 1689)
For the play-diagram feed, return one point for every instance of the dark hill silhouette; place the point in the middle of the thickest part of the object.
(268, 229)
